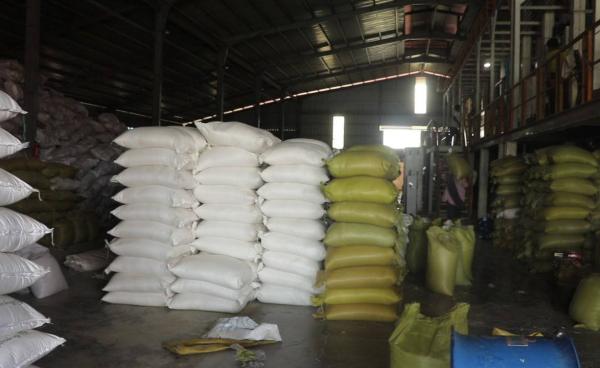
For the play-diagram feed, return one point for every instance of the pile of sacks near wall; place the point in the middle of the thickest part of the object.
(292, 203)
(157, 218)
(222, 278)
(67, 134)
(364, 262)
(20, 344)
(507, 201)
(559, 198)
(75, 229)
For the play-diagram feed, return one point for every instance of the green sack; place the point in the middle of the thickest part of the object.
(356, 163)
(511, 168)
(507, 201)
(361, 189)
(571, 154)
(574, 185)
(33, 178)
(514, 179)
(419, 341)
(466, 238)
(565, 199)
(570, 170)
(459, 167)
(416, 251)
(560, 242)
(585, 305)
(565, 227)
(508, 189)
(383, 215)
(564, 213)
(342, 234)
(442, 259)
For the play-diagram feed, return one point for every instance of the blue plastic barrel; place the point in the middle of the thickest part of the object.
(513, 351)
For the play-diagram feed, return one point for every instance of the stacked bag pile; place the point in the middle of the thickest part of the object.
(292, 203)
(507, 180)
(20, 344)
(67, 134)
(222, 278)
(559, 198)
(365, 259)
(157, 217)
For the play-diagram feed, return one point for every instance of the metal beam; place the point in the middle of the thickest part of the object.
(477, 77)
(515, 53)
(333, 16)
(32, 68)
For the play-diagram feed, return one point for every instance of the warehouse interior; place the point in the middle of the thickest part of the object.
(303, 183)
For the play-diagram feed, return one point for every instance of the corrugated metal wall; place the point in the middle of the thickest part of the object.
(365, 108)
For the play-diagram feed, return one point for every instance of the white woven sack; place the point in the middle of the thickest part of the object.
(221, 270)
(247, 251)
(136, 298)
(157, 156)
(272, 276)
(145, 248)
(9, 108)
(160, 137)
(279, 242)
(228, 229)
(198, 138)
(292, 209)
(13, 189)
(324, 146)
(292, 191)
(184, 286)
(291, 263)
(236, 134)
(9, 144)
(140, 266)
(225, 194)
(26, 347)
(205, 302)
(18, 231)
(176, 217)
(179, 198)
(131, 282)
(16, 316)
(310, 229)
(245, 177)
(225, 156)
(51, 283)
(304, 174)
(295, 153)
(248, 214)
(155, 175)
(276, 294)
(18, 273)
(152, 231)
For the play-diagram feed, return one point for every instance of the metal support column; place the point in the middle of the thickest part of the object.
(578, 21)
(221, 82)
(478, 78)
(161, 15)
(32, 69)
(258, 97)
(459, 100)
(482, 177)
(515, 53)
(282, 123)
(493, 56)
(596, 47)
(528, 89)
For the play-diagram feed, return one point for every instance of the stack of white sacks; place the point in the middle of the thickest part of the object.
(292, 203)
(222, 278)
(157, 214)
(20, 345)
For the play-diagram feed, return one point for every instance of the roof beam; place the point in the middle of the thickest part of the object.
(333, 16)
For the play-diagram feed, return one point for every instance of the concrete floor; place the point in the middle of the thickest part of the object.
(105, 335)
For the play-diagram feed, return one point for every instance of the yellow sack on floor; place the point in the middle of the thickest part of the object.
(574, 185)
(571, 154)
(359, 312)
(342, 234)
(357, 256)
(361, 189)
(466, 238)
(442, 259)
(357, 163)
(565, 199)
(419, 341)
(357, 296)
(361, 277)
(585, 305)
(384, 215)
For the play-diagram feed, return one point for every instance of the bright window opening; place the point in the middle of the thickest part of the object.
(338, 132)
(420, 95)
(402, 137)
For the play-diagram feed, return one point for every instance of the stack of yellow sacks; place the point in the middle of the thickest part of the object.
(362, 270)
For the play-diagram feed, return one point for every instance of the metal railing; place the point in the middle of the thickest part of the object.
(563, 81)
